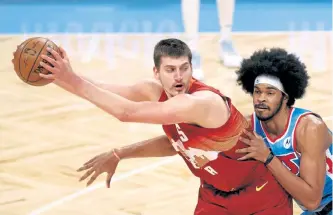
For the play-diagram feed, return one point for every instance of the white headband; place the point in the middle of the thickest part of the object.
(271, 80)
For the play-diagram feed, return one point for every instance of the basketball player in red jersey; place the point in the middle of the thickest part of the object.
(199, 122)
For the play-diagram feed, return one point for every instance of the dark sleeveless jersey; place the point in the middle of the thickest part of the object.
(203, 149)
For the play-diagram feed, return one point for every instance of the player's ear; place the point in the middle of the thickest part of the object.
(156, 73)
(286, 97)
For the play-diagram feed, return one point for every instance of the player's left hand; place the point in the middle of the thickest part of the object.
(257, 148)
(60, 67)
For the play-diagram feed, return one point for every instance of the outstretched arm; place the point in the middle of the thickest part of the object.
(108, 161)
(204, 108)
(139, 91)
(181, 108)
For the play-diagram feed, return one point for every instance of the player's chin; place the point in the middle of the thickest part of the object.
(179, 92)
(263, 116)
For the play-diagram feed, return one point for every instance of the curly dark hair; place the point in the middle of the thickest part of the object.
(279, 63)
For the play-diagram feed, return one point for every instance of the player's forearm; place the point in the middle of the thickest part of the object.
(105, 100)
(294, 185)
(64, 86)
(121, 90)
(124, 109)
(155, 147)
(117, 89)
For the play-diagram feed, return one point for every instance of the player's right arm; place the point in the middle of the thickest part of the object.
(144, 90)
(108, 161)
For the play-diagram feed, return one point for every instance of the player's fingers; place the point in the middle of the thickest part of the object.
(245, 140)
(49, 68)
(49, 60)
(249, 134)
(46, 76)
(245, 150)
(93, 178)
(245, 157)
(87, 174)
(54, 54)
(256, 135)
(63, 53)
(108, 179)
(86, 166)
(91, 160)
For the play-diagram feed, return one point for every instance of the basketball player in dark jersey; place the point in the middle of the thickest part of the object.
(200, 124)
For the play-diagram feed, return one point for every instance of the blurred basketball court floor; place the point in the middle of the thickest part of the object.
(46, 133)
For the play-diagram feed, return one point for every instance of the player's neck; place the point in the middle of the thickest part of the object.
(277, 125)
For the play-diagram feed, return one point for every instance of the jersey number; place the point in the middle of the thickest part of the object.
(287, 160)
(183, 139)
(181, 134)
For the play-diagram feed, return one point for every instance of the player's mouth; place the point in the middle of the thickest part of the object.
(261, 107)
(179, 87)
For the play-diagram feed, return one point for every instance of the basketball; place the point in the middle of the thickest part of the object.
(27, 59)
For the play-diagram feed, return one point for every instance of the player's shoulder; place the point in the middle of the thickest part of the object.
(201, 89)
(311, 132)
(310, 124)
(311, 121)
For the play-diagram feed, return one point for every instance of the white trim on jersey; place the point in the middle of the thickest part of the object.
(286, 131)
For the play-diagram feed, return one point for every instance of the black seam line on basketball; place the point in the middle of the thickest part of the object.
(21, 56)
(47, 40)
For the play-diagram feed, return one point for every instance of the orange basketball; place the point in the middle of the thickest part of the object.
(27, 58)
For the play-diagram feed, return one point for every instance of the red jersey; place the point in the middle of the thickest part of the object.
(203, 149)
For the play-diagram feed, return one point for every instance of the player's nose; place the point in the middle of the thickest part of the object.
(178, 76)
(261, 98)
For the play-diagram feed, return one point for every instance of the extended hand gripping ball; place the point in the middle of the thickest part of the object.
(27, 59)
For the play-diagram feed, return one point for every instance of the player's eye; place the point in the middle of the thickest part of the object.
(270, 93)
(170, 69)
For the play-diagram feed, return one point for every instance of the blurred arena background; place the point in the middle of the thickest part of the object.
(46, 133)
